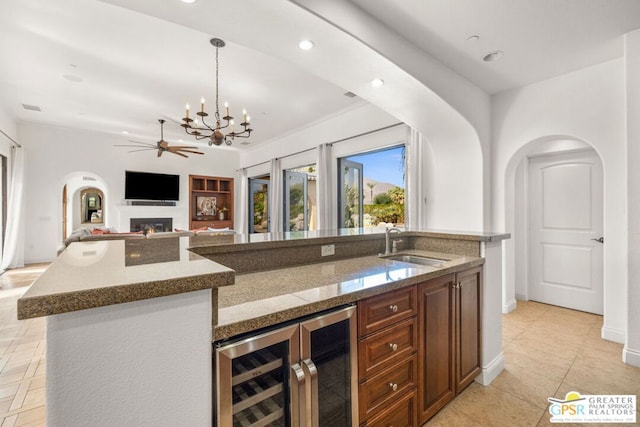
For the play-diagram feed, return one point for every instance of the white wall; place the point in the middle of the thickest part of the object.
(632, 54)
(54, 154)
(587, 105)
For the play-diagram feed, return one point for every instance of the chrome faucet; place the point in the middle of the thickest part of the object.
(387, 234)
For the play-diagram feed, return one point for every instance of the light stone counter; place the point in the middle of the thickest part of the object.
(267, 298)
(101, 273)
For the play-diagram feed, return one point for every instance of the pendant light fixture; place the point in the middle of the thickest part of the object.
(214, 131)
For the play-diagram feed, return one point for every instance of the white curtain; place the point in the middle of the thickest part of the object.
(275, 196)
(326, 216)
(242, 213)
(13, 250)
(414, 214)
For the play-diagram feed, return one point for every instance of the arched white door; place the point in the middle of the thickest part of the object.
(565, 228)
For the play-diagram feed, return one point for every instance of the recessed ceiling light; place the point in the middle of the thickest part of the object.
(73, 78)
(377, 82)
(493, 56)
(306, 44)
(188, 1)
(125, 132)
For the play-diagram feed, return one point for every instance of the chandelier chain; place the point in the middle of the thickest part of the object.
(217, 102)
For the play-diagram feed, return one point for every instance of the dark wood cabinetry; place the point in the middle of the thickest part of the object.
(387, 363)
(210, 202)
(449, 348)
(418, 347)
(467, 313)
(436, 354)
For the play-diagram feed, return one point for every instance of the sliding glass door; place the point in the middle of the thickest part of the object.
(350, 213)
(259, 205)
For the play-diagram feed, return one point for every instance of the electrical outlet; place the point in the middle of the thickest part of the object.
(327, 250)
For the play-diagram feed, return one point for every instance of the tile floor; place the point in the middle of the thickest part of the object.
(548, 352)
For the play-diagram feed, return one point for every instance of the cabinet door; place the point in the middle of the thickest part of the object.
(468, 293)
(436, 331)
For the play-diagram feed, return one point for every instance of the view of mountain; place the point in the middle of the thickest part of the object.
(378, 188)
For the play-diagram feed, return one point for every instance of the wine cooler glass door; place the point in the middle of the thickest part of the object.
(256, 380)
(329, 360)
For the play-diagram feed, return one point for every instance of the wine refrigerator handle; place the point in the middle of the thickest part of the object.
(312, 393)
(298, 396)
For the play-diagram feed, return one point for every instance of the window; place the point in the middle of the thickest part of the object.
(259, 221)
(371, 188)
(300, 211)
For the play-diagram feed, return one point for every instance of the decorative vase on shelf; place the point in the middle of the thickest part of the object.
(221, 215)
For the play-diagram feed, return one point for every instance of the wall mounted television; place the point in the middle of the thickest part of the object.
(151, 186)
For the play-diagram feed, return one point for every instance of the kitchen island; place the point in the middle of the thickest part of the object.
(145, 358)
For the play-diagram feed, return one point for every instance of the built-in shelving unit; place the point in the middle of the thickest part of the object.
(210, 202)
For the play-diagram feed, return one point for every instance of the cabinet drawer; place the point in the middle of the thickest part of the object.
(382, 310)
(401, 414)
(387, 347)
(385, 388)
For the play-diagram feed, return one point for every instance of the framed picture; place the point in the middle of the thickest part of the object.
(205, 206)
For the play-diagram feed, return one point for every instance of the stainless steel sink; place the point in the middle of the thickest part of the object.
(413, 259)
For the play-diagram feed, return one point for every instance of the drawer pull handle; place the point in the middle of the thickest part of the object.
(393, 347)
(393, 386)
(393, 308)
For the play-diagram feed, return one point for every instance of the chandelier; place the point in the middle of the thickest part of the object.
(203, 130)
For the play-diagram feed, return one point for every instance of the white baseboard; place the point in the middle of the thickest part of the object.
(509, 306)
(631, 357)
(491, 371)
(521, 296)
(611, 334)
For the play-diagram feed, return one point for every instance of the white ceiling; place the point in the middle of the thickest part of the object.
(137, 68)
(540, 38)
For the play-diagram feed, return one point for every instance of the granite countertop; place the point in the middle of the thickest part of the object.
(267, 298)
(101, 273)
(243, 242)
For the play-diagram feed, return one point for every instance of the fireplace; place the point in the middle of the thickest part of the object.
(155, 224)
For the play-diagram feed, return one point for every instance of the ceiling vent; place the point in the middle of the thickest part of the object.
(31, 107)
(350, 95)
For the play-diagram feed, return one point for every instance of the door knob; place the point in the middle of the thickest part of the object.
(600, 240)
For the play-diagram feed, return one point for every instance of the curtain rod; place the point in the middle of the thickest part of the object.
(11, 139)
(328, 143)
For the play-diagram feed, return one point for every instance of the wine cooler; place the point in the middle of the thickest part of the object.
(302, 374)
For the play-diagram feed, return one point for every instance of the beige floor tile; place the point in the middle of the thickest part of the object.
(527, 385)
(32, 417)
(448, 417)
(493, 407)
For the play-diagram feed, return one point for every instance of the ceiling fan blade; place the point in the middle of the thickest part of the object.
(143, 143)
(160, 152)
(141, 149)
(131, 145)
(189, 151)
(181, 147)
(163, 144)
(179, 154)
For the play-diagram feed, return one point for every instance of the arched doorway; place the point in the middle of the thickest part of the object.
(84, 202)
(554, 208)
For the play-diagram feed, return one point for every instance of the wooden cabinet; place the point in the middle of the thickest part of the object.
(209, 198)
(467, 311)
(387, 363)
(436, 349)
(418, 347)
(449, 347)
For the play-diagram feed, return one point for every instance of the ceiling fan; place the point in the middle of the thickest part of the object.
(162, 145)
